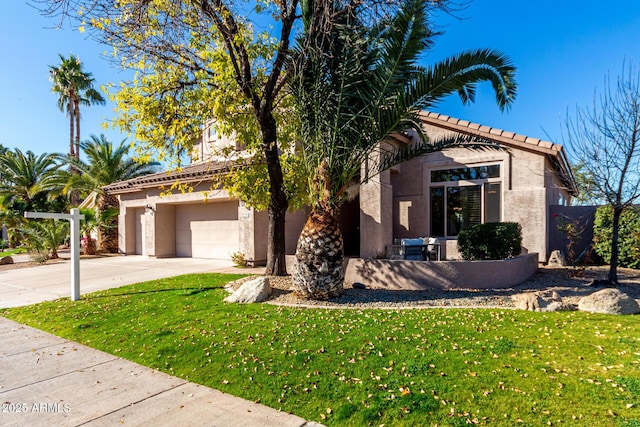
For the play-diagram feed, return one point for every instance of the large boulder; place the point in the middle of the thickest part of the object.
(256, 290)
(541, 301)
(609, 301)
(6, 260)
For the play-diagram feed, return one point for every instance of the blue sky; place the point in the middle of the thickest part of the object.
(562, 50)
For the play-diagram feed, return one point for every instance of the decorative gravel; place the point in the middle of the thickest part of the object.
(571, 284)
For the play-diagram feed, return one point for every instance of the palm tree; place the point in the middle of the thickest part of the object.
(74, 88)
(355, 88)
(31, 182)
(106, 164)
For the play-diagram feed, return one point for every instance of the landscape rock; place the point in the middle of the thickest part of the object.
(557, 259)
(600, 283)
(256, 290)
(609, 301)
(358, 285)
(541, 301)
(6, 260)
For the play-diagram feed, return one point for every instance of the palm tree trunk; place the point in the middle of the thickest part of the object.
(76, 110)
(318, 272)
(109, 234)
(71, 130)
(89, 245)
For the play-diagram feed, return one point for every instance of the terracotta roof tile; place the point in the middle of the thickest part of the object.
(555, 151)
(191, 173)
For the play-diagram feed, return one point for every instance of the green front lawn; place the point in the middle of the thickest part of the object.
(445, 367)
(10, 252)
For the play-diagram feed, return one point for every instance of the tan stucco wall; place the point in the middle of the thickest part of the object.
(147, 224)
(421, 275)
(165, 230)
(528, 185)
(376, 215)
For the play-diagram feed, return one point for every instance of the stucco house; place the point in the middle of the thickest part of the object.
(433, 195)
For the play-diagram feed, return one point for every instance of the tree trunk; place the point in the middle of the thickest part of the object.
(77, 114)
(109, 234)
(318, 272)
(613, 263)
(278, 203)
(89, 245)
(71, 129)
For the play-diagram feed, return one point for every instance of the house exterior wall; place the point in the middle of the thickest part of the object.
(528, 184)
(150, 222)
(156, 225)
(376, 215)
(393, 205)
(164, 225)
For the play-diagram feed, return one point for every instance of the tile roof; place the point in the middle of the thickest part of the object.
(555, 152)
(196, 172)
(203, 171)
(498, 135)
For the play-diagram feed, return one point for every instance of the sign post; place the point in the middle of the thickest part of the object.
(74, 218)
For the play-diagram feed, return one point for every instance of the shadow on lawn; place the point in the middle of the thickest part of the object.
(181, 292)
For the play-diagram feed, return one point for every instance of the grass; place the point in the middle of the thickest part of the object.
(445, 367)
(10, 252)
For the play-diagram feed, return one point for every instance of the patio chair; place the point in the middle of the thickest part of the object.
(433, 248)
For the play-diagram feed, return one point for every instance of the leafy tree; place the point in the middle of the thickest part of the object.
(208, 45)
(628, 239)
(74, 88)
(356, 86)
(605, 139)
(105, 165)
(203, 54)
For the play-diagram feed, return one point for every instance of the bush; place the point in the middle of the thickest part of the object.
(493, 240)
(628, 235)
(239, 259)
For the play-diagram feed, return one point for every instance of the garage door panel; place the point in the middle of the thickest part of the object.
(207, 230)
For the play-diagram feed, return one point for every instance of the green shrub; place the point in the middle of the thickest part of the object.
(239, 259)
(628, 235)
(493, 240)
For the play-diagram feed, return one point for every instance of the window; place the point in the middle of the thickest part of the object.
(462, 197)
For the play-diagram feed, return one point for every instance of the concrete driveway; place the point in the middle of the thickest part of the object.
(26, 286)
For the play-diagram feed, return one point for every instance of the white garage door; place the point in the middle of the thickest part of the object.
(207, 230)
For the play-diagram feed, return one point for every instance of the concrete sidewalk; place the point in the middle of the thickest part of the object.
(48, 381)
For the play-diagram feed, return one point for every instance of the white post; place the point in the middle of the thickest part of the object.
(75, 253)
(74, 218)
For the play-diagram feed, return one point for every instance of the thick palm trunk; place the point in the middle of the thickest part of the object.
(109, 235)
(89, 245)
(318, 272)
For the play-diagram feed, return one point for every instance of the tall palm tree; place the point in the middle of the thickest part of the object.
(74, 88)
(105, 165)
(355, 87)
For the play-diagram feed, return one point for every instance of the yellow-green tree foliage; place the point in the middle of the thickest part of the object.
(169, 99)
